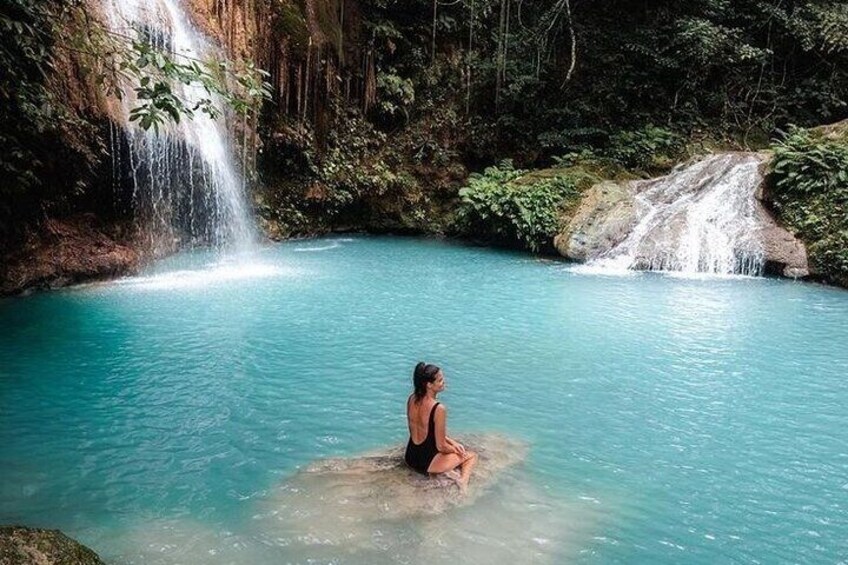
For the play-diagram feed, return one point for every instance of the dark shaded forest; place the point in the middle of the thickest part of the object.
(378, 111)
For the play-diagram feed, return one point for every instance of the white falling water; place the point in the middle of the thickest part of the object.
(700, 219)
(186, 185)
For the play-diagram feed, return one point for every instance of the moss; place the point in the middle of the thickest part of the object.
(20, 544)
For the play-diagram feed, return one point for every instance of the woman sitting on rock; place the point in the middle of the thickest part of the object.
(433, 452)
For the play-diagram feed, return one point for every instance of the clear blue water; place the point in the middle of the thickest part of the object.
(666, 420)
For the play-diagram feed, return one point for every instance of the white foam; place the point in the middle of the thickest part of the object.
(211, 275)
(705, 276)
(601, 269)
(333, 245)
(703, 218)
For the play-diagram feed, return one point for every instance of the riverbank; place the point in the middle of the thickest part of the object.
(586, 220)
(69, 251)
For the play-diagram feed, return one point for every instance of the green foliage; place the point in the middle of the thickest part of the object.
(832, 26)
(47, 149)
(727, 69)
(810, 194)
(644, 148)
(706, 43)
(395, 94)
(27, 108)
(156, 72)
(497, 205)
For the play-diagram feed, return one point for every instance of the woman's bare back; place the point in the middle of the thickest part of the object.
(418, 418)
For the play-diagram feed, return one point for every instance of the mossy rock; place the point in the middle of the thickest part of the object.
(25, 546)
(837, 131)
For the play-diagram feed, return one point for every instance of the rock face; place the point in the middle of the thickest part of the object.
(785, 254)
(66, 252)
(610, 212)
(33, 546)
(605, 216)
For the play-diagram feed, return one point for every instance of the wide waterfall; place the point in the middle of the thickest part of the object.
(703, 218)
(186, 186)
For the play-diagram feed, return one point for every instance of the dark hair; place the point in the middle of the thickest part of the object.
(423, 374)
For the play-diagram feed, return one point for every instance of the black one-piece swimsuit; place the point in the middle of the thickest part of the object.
(420, 455)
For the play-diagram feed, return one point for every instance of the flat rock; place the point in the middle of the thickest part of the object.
(34, 546)
(382, 482)
(346, 501)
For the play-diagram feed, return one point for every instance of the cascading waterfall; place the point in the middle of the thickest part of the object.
(186, 186)
(700, 219)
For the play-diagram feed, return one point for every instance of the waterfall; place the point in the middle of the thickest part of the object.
(186, 186)
(703, 218)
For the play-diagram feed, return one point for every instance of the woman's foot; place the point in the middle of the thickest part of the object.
(455, 476)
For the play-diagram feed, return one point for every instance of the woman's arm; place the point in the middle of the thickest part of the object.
(442, 443)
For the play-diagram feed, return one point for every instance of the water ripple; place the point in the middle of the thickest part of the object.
(667, 419)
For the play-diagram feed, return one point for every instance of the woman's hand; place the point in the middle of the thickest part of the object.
(458, 448)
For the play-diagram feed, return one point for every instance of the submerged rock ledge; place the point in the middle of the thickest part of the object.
(20, 545)
(379, 485)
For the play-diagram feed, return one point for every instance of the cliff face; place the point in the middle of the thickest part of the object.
(336, 147)
(54, 142)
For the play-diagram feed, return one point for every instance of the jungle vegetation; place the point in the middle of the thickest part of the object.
(377, 111)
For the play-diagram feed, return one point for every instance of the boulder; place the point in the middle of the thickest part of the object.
(34, 546)
(603, 219)
(607, 214)
(785, 255)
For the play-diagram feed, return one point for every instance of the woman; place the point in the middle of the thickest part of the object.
(430, 450)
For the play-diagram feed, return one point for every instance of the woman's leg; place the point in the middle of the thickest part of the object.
(467, 467)
(444, 462)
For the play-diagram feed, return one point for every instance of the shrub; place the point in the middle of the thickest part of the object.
(644, 149)
(498, 205)
(810, 195)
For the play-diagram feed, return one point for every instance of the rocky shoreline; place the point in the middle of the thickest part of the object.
(20, 545)
(67, 252)
(83, 248)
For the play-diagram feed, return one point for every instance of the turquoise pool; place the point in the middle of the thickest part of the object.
(158, 419)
